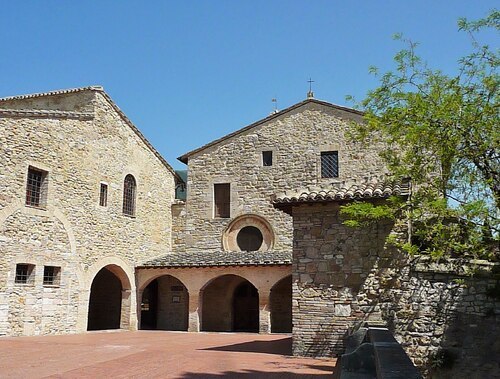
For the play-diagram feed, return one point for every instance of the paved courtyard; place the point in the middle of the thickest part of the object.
(157, 354)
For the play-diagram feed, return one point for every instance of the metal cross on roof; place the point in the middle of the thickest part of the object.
(310, 94)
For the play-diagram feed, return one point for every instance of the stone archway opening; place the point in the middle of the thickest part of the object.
(280, 301)
(165, 305)
(109, 302)
(230, 303)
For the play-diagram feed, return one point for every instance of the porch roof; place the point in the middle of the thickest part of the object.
(220, 258)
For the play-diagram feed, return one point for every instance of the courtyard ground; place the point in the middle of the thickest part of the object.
(157, 354)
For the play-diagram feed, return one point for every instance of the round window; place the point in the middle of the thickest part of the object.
(248, 232)
(249, 239)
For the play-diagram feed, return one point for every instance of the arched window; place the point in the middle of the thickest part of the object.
(129, 193)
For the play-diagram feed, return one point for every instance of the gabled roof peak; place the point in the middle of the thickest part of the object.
(184, 158)
(96, 88)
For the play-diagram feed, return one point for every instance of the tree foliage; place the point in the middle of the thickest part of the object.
(442, 131)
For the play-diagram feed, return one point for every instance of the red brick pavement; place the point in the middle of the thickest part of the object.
(157, 354)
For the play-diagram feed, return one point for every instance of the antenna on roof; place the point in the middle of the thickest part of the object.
(310, 94)
(275, 101)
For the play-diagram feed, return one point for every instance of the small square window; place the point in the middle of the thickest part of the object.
(51, 275)
(330, 164)
(36, 187)
(267, 158)
(103, 195)
(24, 273)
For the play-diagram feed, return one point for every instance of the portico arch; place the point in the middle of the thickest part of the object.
(230, 303)
(280, 300)
(165, 304)
(109, 300)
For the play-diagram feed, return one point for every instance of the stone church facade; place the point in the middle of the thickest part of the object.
(92, 236)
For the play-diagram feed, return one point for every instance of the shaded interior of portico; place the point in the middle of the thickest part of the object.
(280, 301)
(230, 303)
(164, 305)
(109, 302)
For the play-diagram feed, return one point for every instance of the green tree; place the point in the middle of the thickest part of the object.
(442, 131)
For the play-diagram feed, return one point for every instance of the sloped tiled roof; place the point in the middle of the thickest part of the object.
(52, 93)
(220, 258)
(354, 114)
(344, 192)
(79, 115)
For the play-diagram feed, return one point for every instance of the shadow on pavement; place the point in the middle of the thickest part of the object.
(255, 374)
(280, 347)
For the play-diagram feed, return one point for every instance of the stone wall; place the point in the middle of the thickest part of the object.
(345, 276)
(179, 226)
(173, 304)
(296, 139)
(90, 144)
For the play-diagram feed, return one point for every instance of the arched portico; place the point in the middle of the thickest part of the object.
(165, 304)
(109, 300)
(198, 280)
(230, 303)
(280, 301)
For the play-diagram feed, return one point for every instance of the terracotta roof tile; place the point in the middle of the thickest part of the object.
(345, 192)
(220, 258)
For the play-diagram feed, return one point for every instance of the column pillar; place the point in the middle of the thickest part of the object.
(194, 312)
(264, 312)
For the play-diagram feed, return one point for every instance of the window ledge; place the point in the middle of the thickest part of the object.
(40, 208)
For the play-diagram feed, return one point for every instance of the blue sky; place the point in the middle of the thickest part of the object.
(187, 72)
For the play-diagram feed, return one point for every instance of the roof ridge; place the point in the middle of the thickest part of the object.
(52, 93)
(110, 101)
(184, 158)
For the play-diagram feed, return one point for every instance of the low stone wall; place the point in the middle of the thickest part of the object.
(446, 320)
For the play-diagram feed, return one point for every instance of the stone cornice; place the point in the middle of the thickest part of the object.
(32, 113)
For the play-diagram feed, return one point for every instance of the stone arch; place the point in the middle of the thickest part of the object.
(247, 222)
(229, 303)
(49, 212)
(280, 300)
(110, 298)
(164, 304)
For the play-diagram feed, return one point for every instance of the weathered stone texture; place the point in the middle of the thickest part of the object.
(179, 226)
(73, 231)
(296, 138)
(343, 276)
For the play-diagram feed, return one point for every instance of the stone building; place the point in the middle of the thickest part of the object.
(92, 237)
(446, 319)
(234, 256)
(84, 198)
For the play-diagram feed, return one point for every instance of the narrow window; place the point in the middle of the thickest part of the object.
(330, 164)
(36, 187)
(24, 273)
(222, 199)
(51, 275)
(129, 193)
(103, 196)
(267, 158)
